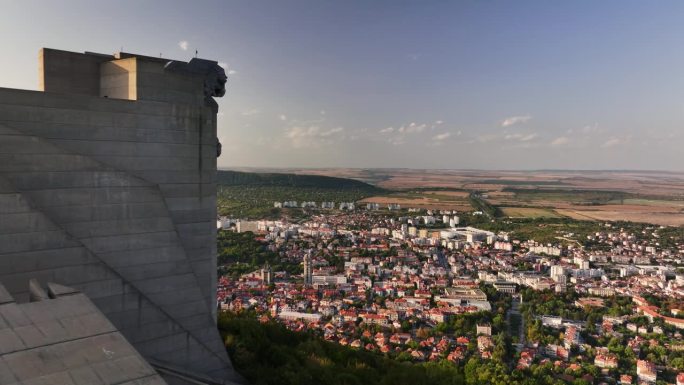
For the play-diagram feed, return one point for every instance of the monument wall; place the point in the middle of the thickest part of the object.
(107, 185)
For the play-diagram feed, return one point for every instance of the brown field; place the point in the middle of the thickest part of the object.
(409, 181)
(574, 215)
(659, 218)
(648, 196)
(638, 182)
(529, 212)
(500, 194)
(660, 183)
(650, 202)
(448, 193)
(423, 203)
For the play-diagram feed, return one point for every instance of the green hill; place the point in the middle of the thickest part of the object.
(238, 178)
(251, 195)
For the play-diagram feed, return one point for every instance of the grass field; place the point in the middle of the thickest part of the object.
(574, 215)
(442, 200)
(650, 202)
(591, 205)
(632, 213)
(553, 197)
(529, 212)
(447, 194)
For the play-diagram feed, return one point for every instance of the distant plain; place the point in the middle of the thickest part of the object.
(638, 196)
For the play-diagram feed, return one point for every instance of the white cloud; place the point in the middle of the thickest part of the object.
(183, 44)
(331, 131)
(312, 136)
(515, 120)
(591, 128)
(407, 132)
(560, 141)
(441, 136)
(412, 128)
(396, 141)
(322, 112)
(526, 138)
(617, 141)
(612, 142)
(487, 138)
(229, 71)
(252, 112)
(282, 117)
(521, 137)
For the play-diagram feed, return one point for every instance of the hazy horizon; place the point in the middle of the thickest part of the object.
(285, 168)
(399, 84)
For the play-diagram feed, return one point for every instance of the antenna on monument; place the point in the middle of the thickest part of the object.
(196, 52)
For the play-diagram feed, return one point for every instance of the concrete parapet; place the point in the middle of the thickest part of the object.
(116, 198)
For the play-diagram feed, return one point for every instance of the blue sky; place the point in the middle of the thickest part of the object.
(420, 84)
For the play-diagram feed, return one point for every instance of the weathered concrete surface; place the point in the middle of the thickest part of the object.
(66, 340)
(117, 198)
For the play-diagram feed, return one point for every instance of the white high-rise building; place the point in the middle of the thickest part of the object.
(557, 270)
(308, 269)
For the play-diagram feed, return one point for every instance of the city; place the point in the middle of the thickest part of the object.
(416, 286)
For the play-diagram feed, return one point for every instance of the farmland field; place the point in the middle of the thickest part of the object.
(529, 212)
(632, 213)
(442, 200)
(651, 202)
(639, 196)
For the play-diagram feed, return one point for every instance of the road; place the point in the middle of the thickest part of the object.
(515, 311)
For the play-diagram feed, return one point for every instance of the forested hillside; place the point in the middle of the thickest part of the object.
(251, 195)
(238, 178)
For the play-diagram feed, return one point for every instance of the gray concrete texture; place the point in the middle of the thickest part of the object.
(117, 199)
(62, 338)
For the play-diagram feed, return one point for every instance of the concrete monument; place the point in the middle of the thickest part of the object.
(62, 338)
(107, 185)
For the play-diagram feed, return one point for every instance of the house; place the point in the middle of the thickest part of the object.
(526, 358)
(439, 315)
(572, 337)
(606, 360)
(371, 318)
(484, 329)
(556, 351)
(607, 327)
(484, 343)
(457, 354)
(400, 338)
(646, 371)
